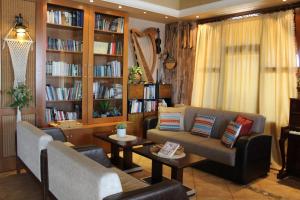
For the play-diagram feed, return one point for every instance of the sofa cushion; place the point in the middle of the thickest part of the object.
(246, 125)
(171, 121)
(161, 109)
(30, 142)
(231, 134)
(186, 139)
(203, 125)
(222, 120)
(73, 176)
(128, 182)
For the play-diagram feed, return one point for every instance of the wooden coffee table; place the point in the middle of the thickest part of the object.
(124, 163)
(177, 166)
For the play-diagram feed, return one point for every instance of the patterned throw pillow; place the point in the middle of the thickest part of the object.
(161, 110)
(203, 125)
(231, 134)
(246, 125)
(171, 122)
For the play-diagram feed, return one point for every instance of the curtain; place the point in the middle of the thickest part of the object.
(248, 65)
(208, 62)
(278, 68)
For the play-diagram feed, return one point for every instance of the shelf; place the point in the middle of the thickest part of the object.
(138, 113)
(62, 101)
(60, 26)
(107, 32)
(60, 51)
(107, 99)
(63, 76)
(111, 55)
(150, 99)
(106, 77)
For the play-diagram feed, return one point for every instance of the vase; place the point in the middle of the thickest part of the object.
(19, 116)
(121, 132)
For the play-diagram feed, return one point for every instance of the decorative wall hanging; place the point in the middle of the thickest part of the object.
(158, 42)
(147, 65)
(169, 62)
(19, 42)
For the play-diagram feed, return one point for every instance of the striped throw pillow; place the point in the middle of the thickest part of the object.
(231, 134)
(171, 121)
(203, 125)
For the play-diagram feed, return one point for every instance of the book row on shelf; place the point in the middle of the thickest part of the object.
(112, 48)
(52, 114)
(67, 18)
(64, 45)
(105, 23)
(62, 94)
(149, 91)
(136, 106)
(60, 68)
(101, 91)
(111, 69)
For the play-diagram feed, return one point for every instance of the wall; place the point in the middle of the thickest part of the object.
(9, 9)
(142, 25)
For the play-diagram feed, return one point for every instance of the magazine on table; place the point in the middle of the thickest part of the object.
(169, 149)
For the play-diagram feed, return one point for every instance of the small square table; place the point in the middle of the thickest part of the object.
(124, 163)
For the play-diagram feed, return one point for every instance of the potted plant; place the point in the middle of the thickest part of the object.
(104, 108)
(121, 129)
(21, 97)
(135, 74)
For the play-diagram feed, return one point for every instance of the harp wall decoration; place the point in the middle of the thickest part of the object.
(148, 66)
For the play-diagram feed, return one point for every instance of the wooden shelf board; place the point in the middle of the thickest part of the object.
(106, 77)
(107, 32)
(62, 101)
(111, 55)
(63, 76)
(60, 51)
(61, 26)
(108, 99)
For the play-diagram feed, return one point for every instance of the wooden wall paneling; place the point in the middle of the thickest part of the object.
(181, 77)
(9, 130)
(11, 8)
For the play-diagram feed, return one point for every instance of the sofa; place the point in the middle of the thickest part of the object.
(246, 161)
(72, 176)
(89, 166)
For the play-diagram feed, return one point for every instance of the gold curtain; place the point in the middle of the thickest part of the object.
(248, 65)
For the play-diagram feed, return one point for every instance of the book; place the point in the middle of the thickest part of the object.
(169, 149)
(64, 17)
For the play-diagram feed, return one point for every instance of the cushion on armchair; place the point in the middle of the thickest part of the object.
(246, 125)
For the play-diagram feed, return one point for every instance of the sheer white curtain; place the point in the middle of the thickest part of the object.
(248, 65)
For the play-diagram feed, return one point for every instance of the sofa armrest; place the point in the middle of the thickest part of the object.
(95, 153)
(253, 156)
(165, 190)
(149, 123)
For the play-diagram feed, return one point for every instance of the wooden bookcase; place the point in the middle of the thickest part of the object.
(66, 63)
(136, 93)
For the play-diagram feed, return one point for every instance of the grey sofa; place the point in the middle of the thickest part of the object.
(248, 160)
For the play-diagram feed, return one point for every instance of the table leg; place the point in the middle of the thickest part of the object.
(127, 154)
(177, 174)
(156, 172)
(115, 157)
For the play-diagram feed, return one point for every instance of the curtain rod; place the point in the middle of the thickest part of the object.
(258, 11)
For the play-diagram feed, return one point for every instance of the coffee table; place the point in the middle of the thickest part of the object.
(177, 166)
(124, 163)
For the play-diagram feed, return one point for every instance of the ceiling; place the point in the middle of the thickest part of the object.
(166, 11)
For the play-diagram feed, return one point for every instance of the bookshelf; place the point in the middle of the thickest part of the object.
(108, 58)
(82, 63)
(143, 100)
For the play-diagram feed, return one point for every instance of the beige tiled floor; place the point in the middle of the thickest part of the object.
(211, 187)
